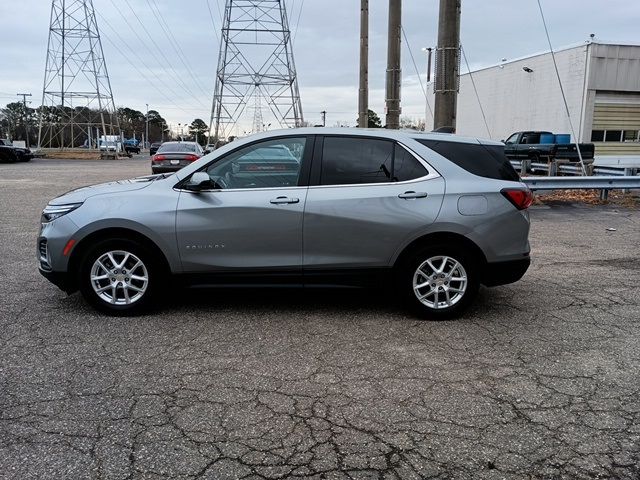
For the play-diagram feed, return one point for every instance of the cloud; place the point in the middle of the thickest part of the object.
(149, 70)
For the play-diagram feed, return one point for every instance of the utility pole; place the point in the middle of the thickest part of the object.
(447, 80)
(363, 96)
(26, 127)
(324, 117)
(146, 137)
(393, 65)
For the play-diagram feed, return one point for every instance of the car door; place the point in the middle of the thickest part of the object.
(367, 197)
(251, 218)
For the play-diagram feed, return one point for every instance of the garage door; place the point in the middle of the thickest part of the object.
(617, 111)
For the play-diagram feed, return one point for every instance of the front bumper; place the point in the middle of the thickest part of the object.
(61, 280)
(502, 273)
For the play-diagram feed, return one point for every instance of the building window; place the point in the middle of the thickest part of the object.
(613, 136)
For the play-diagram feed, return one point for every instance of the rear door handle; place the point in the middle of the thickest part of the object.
(284, 200)
(412, 194)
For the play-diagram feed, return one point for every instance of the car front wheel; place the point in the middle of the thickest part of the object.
(118, 277)
(440, 282)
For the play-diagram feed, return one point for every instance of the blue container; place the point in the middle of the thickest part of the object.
(563, 138)
(547, 138)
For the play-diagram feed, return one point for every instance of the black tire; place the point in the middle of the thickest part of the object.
(408, 272)
(150, 270)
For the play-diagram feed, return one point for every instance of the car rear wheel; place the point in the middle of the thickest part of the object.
(119, 277)
(439, 282)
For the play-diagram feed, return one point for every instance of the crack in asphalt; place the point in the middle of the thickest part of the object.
(539, 380)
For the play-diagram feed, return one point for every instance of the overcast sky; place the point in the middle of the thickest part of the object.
(326, 47)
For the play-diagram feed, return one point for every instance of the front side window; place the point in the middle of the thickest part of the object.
(269, 164)
(512, 139)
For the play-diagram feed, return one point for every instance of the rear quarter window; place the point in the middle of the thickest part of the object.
(487, 161)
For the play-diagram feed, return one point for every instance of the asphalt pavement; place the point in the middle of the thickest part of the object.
(540, 379)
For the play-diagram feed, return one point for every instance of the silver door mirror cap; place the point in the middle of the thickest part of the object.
(199, 181)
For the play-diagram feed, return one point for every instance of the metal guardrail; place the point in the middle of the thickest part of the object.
(602, 183)
(551, 168)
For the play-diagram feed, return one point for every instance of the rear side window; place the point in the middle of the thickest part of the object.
(349, 160)
(487, 161)
(406, 166)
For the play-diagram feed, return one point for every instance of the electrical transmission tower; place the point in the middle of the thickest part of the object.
(77, 102)
(255, 63)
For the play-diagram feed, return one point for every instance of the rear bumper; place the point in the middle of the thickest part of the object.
(502, 273)
(166, 168)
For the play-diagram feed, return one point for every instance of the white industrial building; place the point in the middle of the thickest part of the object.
(602, 87)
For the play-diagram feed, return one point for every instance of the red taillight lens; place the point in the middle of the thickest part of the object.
(521, 198)
(158, 158)
(191, 158)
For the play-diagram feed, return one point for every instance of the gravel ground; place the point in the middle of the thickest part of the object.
(540, 379)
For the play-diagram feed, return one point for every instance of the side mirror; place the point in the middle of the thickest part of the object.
(199, 181)
(206, 152)
(503, 141)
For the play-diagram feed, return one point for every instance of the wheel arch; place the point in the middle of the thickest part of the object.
(83, 246)
(441, 238)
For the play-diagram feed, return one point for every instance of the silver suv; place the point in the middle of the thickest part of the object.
(435, 214)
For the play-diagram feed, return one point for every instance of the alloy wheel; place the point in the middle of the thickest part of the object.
(440, 282)
(119, 277)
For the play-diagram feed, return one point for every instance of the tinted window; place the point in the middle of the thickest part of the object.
(269, 164)
(483, 160)
(406, 166)
(177, 147)
(355, 160)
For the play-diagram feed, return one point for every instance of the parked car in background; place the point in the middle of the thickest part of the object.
(131, 145)
(172, 156)
(432, 216)
(536, 145)
(8, 154)
(11, 153)
(154, 147)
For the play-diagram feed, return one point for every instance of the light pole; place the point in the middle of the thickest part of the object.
(428, 51)
(146, 137)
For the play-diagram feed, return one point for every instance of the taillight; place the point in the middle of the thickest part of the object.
(158, 158)
(521, 198)
(191, 158)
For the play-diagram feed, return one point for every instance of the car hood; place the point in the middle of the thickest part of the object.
(79, 195)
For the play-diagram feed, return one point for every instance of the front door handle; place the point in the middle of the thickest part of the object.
(284, 200)
(412, 194)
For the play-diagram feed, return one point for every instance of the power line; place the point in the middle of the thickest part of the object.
(564, 98)
(413, 60)
(213, 22)
(484, 118)
(160, 49)
(295, 33)
(175, 75)
(174, 44)
(128, 59)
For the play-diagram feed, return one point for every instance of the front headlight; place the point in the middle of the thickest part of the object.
(51, 212)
